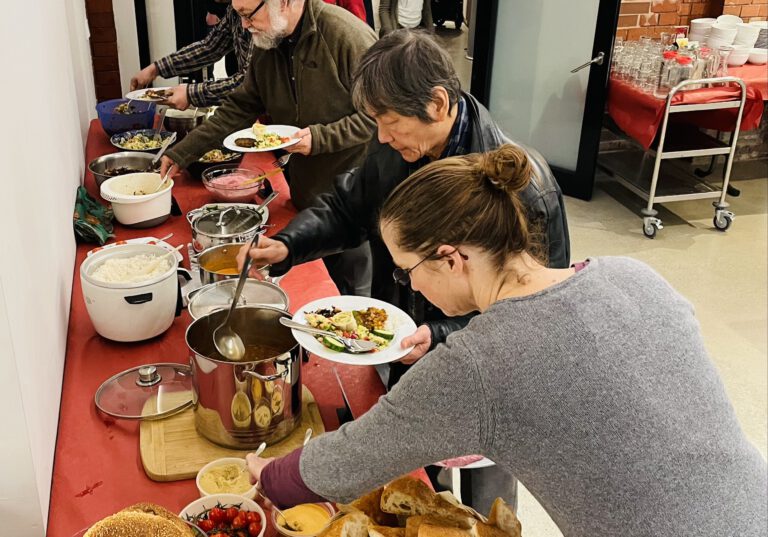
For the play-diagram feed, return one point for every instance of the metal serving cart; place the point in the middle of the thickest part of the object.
(642, 173)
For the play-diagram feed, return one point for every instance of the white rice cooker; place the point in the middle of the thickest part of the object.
(132, 311)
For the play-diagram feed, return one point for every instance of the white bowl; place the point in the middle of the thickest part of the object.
(250, 493)
(723, 33)
(738, 58)
(760, 24)
(201, 505)
(134, 200)
(758, 56)
(729, 20)
(716, 44)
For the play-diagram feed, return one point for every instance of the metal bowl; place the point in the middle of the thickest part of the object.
(183, 121)
(134, 161)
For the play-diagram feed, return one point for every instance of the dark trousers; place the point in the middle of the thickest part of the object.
(351, 270)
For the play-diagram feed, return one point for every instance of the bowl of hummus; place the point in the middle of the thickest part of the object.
(303, 520)
(225, 476)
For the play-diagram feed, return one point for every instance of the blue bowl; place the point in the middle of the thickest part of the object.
(143, 116)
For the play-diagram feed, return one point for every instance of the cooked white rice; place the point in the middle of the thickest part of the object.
(137, 268)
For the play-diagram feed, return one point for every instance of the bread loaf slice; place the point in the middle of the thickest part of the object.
(350, 525)
(503, 517)
(410, 496)
(414, 523)
(428, 530)
(370, 505)
(385, 531)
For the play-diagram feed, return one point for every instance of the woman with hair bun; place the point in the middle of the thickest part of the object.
(590, 384)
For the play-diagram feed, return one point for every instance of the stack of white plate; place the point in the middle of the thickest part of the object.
(721, 36)
(762, 38)
(700, 29)
(729, 20)
(746, 34)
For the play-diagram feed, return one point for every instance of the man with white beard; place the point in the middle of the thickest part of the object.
(300, 74)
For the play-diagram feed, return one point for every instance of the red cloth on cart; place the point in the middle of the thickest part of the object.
(97, 469)
(640, 115)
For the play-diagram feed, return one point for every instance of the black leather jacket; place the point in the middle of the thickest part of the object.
(348, 215)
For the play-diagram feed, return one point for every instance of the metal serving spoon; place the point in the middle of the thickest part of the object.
(227, 342)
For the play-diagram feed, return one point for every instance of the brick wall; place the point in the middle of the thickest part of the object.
(749, 10)
(106, 72)
(651, 17)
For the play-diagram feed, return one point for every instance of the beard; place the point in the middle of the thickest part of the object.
(270, 39)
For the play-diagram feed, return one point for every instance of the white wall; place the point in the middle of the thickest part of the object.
(127, 42)
(161, 28)
(43, 146)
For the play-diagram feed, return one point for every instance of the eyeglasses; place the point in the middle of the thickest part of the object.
(403, 276)
(250, 16)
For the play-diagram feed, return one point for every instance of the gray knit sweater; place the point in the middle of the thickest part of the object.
(597, 393)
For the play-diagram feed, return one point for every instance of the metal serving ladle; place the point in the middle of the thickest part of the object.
(227, 342)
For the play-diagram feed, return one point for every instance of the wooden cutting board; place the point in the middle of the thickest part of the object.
(172, 449)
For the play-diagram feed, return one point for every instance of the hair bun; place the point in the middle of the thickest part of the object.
(506, 168)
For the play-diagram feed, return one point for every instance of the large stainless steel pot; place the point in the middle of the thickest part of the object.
(241, 404)
(224, 226)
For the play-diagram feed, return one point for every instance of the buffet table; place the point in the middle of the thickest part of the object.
(97, 468)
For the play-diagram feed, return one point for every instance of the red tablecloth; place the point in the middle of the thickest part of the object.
(640, 115)
(97, 467)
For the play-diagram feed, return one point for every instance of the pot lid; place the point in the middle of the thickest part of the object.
(234, 221)
(219, 295)
(149, 392)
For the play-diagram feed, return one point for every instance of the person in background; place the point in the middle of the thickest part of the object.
(300, 74)
(591, 383)
(227, 36)
(408, 84)
(395, 14)
(217, 10)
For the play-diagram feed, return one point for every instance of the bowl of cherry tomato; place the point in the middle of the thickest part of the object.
(226, 515)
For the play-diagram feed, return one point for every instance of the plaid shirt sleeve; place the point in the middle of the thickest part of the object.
(203, 53)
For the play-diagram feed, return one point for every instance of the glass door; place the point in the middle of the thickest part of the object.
(542, 70)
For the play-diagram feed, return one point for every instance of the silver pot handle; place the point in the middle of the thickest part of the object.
(268, 378)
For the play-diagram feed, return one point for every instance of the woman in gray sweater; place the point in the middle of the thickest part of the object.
(590, 384)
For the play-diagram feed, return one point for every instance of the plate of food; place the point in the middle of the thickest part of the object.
(139, 140)
(150, 94)
(262, 138)
(359, 318)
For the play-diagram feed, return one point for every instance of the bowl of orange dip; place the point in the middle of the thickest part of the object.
(303, 520)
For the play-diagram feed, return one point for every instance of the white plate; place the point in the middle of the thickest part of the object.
(138, 94)
(141, 240)
(280, 130)
(397, 321)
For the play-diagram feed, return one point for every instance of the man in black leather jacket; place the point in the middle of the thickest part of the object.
(407, 83)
